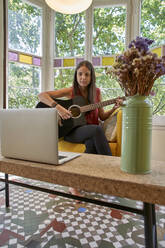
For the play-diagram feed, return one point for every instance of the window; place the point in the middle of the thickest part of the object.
(69, 35)
(23, 85)
(153, 21)
(66, 42)
(109, 87)
(109, 30)
(153, 27)
(108, 39)
(24, 29)
(63, 78)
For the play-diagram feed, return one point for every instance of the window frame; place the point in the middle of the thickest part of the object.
(133, 8)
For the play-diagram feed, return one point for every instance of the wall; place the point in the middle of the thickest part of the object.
(158, 138)
(1, 54)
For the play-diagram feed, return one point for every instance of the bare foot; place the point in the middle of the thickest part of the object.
(74, 191)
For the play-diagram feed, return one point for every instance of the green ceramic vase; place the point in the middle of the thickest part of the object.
(136, 135)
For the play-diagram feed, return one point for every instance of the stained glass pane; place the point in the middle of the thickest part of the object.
(96, 61)
(13, 56)
(36, 61)
(78, 60)
(68, 62)
(57, 62)
(157, 51)
(25, 59)
(107, 61)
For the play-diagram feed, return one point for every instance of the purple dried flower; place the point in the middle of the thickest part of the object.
(137, 68)
(121, 58)
(142, 44)
(160, 68)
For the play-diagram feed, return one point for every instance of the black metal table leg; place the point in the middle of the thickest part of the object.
(148, 211)
(150, 225)
(7, 190)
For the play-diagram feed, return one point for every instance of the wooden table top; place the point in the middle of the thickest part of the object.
(95, 173)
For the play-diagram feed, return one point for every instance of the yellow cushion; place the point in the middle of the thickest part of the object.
(72, 147)
(113, 147)
(80, 148)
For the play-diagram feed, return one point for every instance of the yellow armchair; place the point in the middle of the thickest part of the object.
(80, 148)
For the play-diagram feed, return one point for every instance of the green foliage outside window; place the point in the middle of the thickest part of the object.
(108, 38)
(153, 27)
(24, 25)
(23, 86)
(109, 30)
(158, 98)
(69, 35)
(63, 78)
(153, 21)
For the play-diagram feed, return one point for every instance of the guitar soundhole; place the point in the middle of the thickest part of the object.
(75, 110)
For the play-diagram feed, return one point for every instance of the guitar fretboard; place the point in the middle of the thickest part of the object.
(93, 106)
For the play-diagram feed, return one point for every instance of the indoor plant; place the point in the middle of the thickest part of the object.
(136, 70)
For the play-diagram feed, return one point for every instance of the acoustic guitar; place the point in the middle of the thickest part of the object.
(77, 106)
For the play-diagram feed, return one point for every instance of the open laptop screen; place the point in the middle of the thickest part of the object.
(32, 134)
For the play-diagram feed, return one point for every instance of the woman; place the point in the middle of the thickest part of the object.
(92, 134)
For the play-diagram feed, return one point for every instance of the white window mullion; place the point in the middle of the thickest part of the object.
(133, 20)
(47, 82)
(1, 54)
(3, 63)
(136, 16)
(88, 33)
(128, 29)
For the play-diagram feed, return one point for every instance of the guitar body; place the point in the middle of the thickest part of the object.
(77, 106)
(69, 124)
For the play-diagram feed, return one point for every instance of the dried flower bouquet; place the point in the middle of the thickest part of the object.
(137, 68)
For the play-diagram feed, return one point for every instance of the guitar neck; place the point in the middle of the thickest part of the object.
(93, 106)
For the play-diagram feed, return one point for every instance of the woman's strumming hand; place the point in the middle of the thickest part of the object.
(63, 112)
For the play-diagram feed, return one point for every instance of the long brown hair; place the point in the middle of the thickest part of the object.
(91, 86)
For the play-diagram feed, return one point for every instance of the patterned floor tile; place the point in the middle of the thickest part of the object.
(36, 219)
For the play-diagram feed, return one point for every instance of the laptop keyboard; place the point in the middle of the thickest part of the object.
(61, 157)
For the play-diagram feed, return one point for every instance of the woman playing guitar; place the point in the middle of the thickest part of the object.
(91, 134)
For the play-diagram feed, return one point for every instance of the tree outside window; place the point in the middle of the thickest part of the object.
(24, 29)
(153, 27)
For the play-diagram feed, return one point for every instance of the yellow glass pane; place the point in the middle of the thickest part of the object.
(157, 51)
(68, 62)
(25, 59)
(107, 61)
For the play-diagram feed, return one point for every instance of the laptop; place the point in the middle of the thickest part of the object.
(32, 134)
